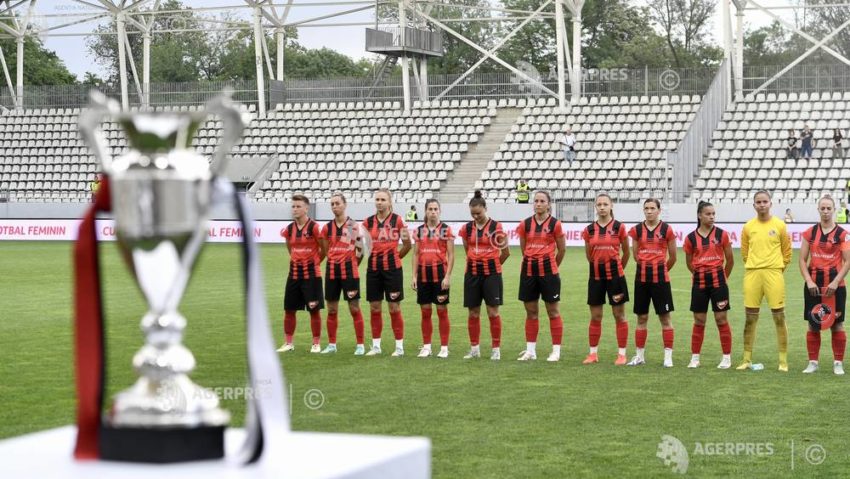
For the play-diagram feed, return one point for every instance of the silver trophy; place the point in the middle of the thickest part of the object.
(161, 195)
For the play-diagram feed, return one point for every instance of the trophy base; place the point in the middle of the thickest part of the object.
(161, 444)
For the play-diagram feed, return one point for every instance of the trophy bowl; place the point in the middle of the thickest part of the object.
(161, 195)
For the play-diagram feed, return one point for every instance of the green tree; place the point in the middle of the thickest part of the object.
(175, 56)
(766, 45)
(618, 35)
(237, 60)
(615, 34)
(41, 66)
(685, 25)
(820, 22)
(458, 56)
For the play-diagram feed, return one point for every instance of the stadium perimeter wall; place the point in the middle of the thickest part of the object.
(571, 212)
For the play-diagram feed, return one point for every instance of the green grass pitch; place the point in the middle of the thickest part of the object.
(485, 419)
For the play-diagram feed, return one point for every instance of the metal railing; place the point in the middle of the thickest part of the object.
(625, 82)
(161, 94)
(802, 77)
(687, 159)
(595, 82)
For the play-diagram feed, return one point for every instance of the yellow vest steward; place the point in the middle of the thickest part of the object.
(522, 192)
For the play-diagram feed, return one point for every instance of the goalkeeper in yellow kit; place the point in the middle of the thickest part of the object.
(766, 251)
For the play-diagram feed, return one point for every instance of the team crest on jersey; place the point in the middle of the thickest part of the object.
(771, 233)
(394, 295)
(351, 294)
(822, 315)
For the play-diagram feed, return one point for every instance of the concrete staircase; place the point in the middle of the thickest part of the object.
(462, 180)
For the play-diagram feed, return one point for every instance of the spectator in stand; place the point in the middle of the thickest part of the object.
(792, 144)
(807, 142)
(569, 142)
(789, 218)
(837, 144)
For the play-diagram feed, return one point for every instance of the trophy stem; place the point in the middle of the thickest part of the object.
(164, 395)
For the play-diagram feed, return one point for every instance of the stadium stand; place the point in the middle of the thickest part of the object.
(358, 147)
(621, 146)
(748, 150)
(45, 159)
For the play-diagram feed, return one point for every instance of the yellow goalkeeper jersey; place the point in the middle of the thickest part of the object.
(765, 244)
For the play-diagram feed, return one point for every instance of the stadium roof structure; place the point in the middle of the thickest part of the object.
(20, 18)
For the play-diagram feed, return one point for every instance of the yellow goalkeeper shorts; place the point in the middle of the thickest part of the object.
(761, 283)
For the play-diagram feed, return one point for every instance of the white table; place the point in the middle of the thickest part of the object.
(48, 454)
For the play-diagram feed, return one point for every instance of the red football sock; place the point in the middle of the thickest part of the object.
(667, 337)
(725, 338)
(333, 322)
(556, 326)
(594, 331)
(622, 334)
(445, 326)
(358, 326)
(640, 338)
(813, 344)
(376, 320)
(474, 323)
(839, 342)
(697, 335)
(427, 326)
(316, 325)
(289, 325)
(397, 322)
(496, 330)
(531, 328)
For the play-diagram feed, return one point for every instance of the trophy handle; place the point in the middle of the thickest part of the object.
(100, 106)
(233, 125)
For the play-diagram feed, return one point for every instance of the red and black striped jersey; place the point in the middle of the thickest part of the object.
(342, 251)
(303, 250)
(604, 242)
(432, 249)
(708, 257)
(652, 248)
(385, 237)
(538, 259)
(483, 247)
(825, 250)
